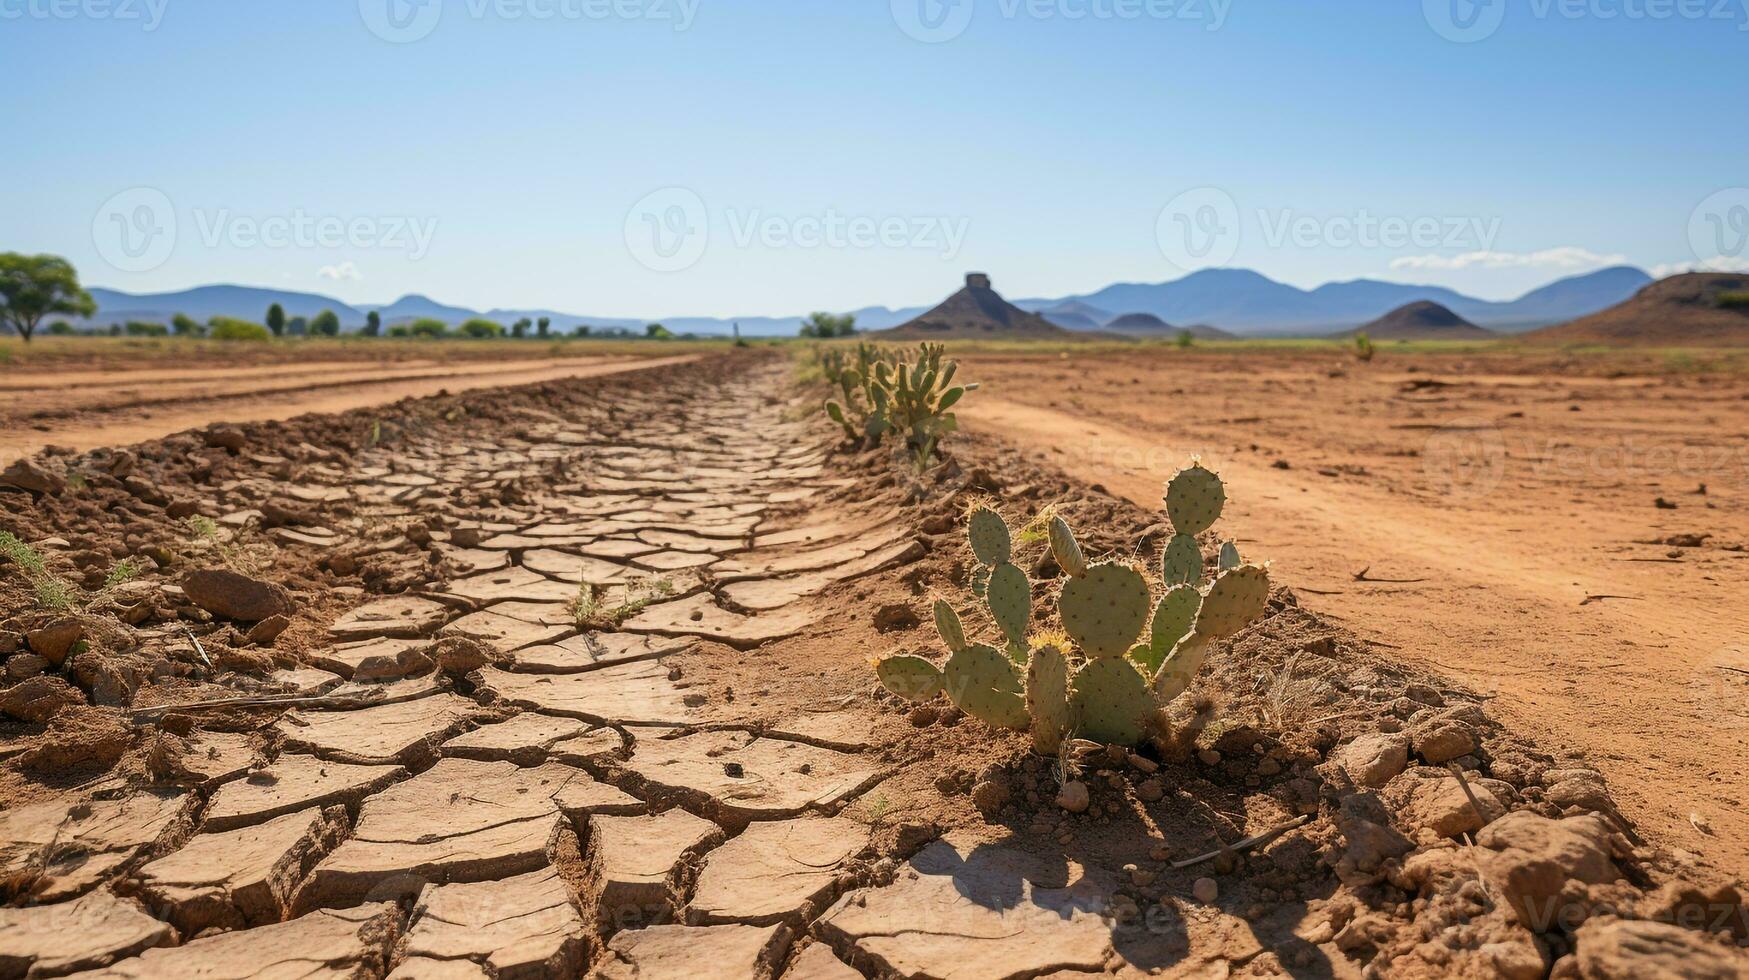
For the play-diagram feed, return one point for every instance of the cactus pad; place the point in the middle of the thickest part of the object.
(1110, 702)
(1104, 610)
(1194, 499)
(1237, 599)
(947, 623)
(911, 678)
(1174, 676)
(1181, 562)
(1173, 618)
(1066, 550)
(982, 683)
(1047, 698)
(1010, 600)
(1230, 556)
(989, 537)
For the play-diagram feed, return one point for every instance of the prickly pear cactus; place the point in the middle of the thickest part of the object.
(989, 537)
(1174, 676)
(1174, 617)
(1047, 698)
(1181, 561)
(1080, 683)
(982, 683)
(1110, 702)
(1194, 499)
(1066, 549)
(911, 678)
(1104, 610)
(1237, 598)
(1010, 599)
(1230, 556)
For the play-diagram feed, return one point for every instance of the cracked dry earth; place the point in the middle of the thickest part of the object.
(573, 681)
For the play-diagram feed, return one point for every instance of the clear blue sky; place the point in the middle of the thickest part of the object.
(522, 144)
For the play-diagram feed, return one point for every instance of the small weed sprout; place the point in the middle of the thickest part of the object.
(1363, 347)
(51, 593)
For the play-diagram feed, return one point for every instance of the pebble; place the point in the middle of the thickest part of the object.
(1074, 797)
(1209, 757)
(1206, 890)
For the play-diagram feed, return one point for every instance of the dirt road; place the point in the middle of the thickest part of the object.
(1498, 527)
(85, 409)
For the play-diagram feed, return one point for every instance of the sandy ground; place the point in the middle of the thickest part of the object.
(84, 408)
(1503, 514)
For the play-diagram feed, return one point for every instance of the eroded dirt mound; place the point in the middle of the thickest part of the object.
(1701, 308)
(1424, 320)
(575, 678)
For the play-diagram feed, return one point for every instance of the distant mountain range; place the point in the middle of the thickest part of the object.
(1236, 300)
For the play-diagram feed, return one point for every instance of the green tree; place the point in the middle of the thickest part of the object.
(276, 319)
(428, 328)
(136, 328)
(297, 326)
(825, 326)
(481, 329)
(34, 286)
(519, 329)
(1186, 339)
(60, 328)
(326, 324)
(580, 330)
(184, 325)
(656, 331)
(543, 325)
(373, 324)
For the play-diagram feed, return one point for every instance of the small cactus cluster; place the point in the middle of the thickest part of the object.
(888, 391)
(1123, 652)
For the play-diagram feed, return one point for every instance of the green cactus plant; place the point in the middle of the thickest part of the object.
(1106, 686)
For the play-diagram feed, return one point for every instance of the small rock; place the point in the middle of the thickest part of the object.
(24, 666)
(1209, 757)
(1143, 763)
(39, 698)
(1142, 877)
(268, 630)
(1534, 858)
(1441, 740)
(226, 437)
(1160, 852)
(990, 796)
(1206, 890)
(1621, 948)
(459, 655)
(1074, 796)
(1577, 787)
(387, 667)
(54, 641)
(27, 475)
(923, 715)
(1373, 760)
(233, 596)
(1150, 790)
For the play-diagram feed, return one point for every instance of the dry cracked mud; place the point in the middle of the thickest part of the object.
(576, 683)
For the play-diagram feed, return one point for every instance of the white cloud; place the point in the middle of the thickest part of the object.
(1563, 257)
(1718, 263)
(345, 270)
